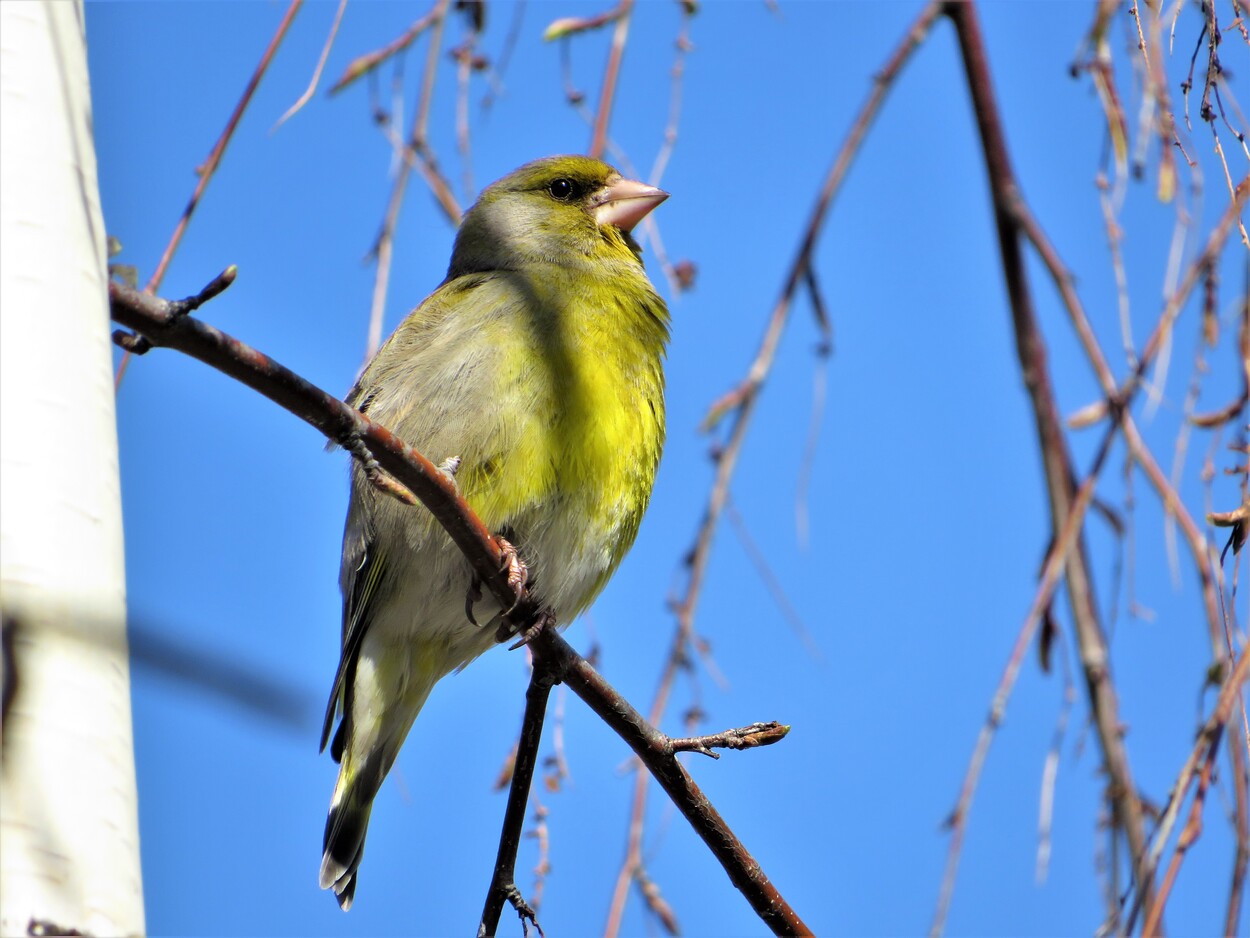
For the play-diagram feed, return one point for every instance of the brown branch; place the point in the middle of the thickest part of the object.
(1009, 211)
(153, 318)
(743, 408)
(1013, 220)
(1065, 283)
(316, 75)
(364, 64)
(1199, 765)
(166, 324)
(414, 154)
(611, 72)
(503, 886)
(744, 737)
(656, 752)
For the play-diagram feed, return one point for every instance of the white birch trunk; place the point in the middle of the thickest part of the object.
(69, 842)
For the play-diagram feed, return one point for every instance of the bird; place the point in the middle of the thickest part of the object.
(533, 375)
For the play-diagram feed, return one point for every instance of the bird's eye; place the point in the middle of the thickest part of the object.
(562, 189)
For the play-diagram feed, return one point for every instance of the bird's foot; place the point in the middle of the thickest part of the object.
(449, 467)
(374, 473)
(518, 572)
(518, 578)
(530, 632)
(471, 597)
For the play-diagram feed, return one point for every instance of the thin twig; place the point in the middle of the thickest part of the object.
(771, 581)
(505, 56)
(364, 64)
(503, 886)
(744, 737)
(611, 72)
(696, 564)
(209, 166)
(413, 156)
(1199, 765)
(1050, 771)
(316, 75)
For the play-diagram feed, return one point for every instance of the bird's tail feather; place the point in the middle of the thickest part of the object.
(344, 842)
(367, 754)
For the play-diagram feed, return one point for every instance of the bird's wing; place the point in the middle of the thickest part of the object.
(405, 354)
(363, 568)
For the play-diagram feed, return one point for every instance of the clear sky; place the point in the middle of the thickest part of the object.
(926, 512)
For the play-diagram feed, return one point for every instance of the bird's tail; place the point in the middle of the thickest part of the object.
(344, 841)
(365, 747)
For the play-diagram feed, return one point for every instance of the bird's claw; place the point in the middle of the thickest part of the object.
(449, 467)
(518, 577)
(471, 597)
(518, 572)
(530, 632)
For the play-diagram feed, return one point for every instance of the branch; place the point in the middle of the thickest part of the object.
(209, 166)
(316, 75)
(166, 324)
(1068, 505)
(742, 406)
(1199, 765)
(364, 64)
(611, 72)
(503, 881)
(745, 737)
(1031, 349)
(658, 753)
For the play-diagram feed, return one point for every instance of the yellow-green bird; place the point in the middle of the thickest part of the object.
(534, 372)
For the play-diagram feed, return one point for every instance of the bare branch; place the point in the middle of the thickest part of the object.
(316, 75)
(553, 657)
(209, 166)
(743, 405)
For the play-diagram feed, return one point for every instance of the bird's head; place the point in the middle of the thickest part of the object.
(560, 210)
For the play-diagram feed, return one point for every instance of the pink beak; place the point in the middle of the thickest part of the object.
(625, 202)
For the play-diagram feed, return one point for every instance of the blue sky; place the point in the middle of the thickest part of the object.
(927, 517)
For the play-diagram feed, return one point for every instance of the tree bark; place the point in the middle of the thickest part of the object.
(69, 842)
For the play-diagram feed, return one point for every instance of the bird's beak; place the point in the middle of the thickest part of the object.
(626, 202)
